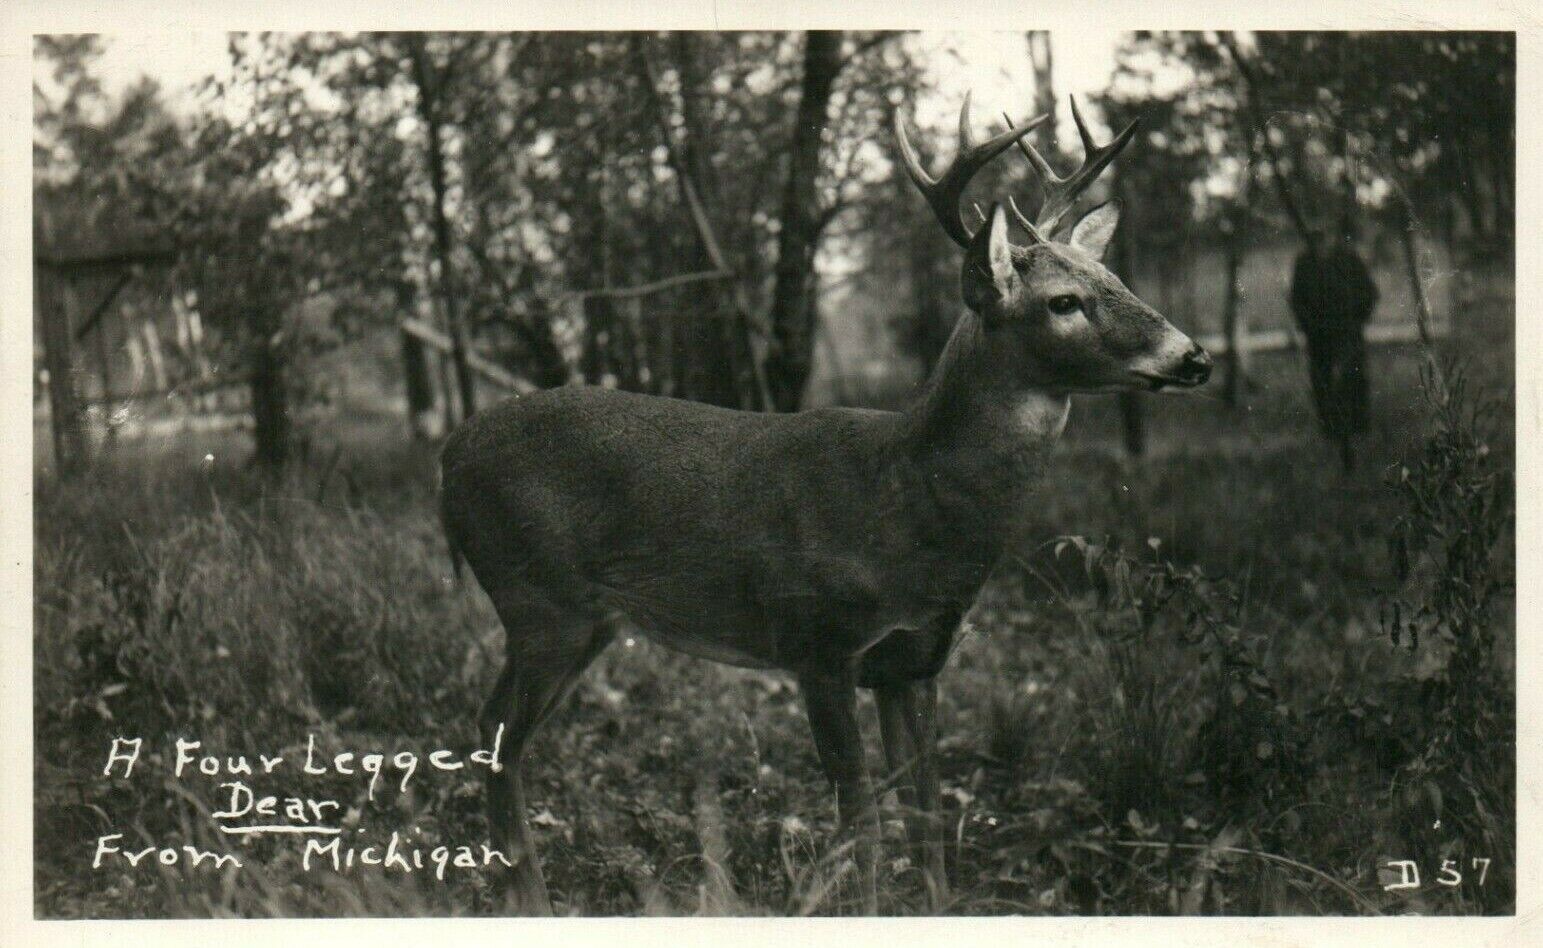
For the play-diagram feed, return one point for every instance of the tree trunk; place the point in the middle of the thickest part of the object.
(1412, 266)
(1132, 420)
(1044, 90)
(599, 329)
(1262, 129)
(428, 83)
(693, 120)
(703, 352)
(1502, 149)
(1133, 427)
(792, 351)
(1232, 325)
(547, 367)
(271, 427)
(420, 390)
(720, 349)
(626, 347)
(594, 358)
(930, 259)
(71, 449)
(447, 393)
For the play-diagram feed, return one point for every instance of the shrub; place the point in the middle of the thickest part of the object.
(1456, 796)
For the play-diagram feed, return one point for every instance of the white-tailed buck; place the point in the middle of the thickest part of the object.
(841, 545)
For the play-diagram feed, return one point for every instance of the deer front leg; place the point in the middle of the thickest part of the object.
(831, 701)
(922, 715)
(907, 718)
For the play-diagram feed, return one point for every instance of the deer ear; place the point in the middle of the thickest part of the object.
(1093, 233)
(989, 276)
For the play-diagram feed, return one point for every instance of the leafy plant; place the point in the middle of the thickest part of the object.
(1449, 554)
(1245, 742)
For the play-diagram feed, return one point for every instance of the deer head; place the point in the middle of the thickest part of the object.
(1049, 307)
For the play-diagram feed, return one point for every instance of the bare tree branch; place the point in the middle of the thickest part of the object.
(644, 289)
(1261, 125)
(710, 246)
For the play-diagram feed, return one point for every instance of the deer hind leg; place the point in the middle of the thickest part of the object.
(547, 651)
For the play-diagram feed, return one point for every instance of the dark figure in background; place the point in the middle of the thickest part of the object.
(1332, 297)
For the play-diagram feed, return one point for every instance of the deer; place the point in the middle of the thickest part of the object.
(842, 546)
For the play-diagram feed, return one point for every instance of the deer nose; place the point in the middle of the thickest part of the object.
(1196, 366)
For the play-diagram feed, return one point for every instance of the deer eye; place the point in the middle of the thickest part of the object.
(1063, 304)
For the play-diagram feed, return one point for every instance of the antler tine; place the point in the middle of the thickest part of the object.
(1040, 165)
(1088, 145)
(944, 192)
(1061, 193)
(966, 137)
(1023, 222)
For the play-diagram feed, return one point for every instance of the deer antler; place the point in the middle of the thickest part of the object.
(944, 192)
(1062, 193)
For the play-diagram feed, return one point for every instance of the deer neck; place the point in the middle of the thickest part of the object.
(976, 440)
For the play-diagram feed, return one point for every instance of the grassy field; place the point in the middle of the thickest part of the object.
(1197, 711)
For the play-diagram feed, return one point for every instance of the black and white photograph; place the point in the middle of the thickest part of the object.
(770, 472)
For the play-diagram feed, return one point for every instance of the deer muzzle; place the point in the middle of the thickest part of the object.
(1190, 369)
(1194, 368)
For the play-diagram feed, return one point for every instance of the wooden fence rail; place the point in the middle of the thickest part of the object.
(1272, 340)
(484, 367)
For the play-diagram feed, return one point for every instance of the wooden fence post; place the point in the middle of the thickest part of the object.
(153, 350)
(105, 370)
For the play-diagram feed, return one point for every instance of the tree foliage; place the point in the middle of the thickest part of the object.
(576, 167)
(1377, 120)
(665, 211)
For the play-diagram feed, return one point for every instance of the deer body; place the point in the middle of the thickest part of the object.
(753, 539)
(841, 545)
